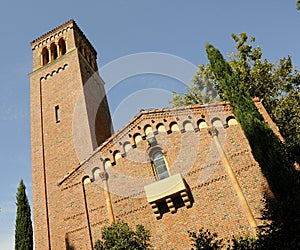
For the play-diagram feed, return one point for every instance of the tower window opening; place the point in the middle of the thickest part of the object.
(45, 56)
(53, 50)
(62, 47)
(57, 114)
(160, 165)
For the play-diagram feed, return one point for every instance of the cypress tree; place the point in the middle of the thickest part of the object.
(270, 153)
(268, 150)
(23, 230)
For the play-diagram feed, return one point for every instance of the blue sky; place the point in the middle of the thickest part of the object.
(116, 29)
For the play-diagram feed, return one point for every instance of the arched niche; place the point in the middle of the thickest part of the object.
(216, 122)
(107, 163)
(231, 121)
(202, 124)
(96, 172)
(137, 138)
(148, 129)
(188, 126)
(126, 146)
(86, 180)
(53, 51)
(174, 127)
(117, 155)
(62, 47)
(45, 56)
(161, 128)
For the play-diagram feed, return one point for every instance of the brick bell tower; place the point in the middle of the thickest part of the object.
(64, 62)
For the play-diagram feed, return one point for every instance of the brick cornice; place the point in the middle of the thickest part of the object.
(69, 23)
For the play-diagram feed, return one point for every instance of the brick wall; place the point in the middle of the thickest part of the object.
(216, 205)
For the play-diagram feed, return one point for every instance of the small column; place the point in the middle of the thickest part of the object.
(132, 142)
(104, 178)
(49, 54)
(42, 59)
(58, 51)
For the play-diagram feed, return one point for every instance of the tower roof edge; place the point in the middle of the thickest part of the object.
(40, 38)
(70, 23)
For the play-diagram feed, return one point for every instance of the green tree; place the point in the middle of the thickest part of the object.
(276, 85)
(23, 230)
(242, 243)
(271, 154)
(202, 89)
(119, 236)
(204, 240)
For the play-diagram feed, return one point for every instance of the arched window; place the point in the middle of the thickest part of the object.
(160, 165)
(53, 50)
(62, 47)
(45, 56)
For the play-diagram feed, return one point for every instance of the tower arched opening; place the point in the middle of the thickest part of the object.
(62, 47)
(45, 56)
(53, 51)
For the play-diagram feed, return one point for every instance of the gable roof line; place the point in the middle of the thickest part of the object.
(146, 112)
(134, 119)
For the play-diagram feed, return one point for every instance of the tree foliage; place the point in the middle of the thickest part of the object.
(205, 240)
(202, 89)
(119, 236)
(271, 154)
(23, 230)
(243, 243)
(276, 85)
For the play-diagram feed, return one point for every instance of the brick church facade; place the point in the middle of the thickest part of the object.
(171, 170)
